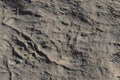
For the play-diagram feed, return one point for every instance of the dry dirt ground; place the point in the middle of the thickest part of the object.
(59, 39)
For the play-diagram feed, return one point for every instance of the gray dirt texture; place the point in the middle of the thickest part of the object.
(59, 39)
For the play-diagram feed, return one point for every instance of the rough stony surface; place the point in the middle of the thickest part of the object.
(59, 39)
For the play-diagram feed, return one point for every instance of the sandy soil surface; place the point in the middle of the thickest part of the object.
(59, 39)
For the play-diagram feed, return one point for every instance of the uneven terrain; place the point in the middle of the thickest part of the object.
(59, 39)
